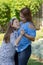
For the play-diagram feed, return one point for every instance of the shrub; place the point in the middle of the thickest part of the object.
(4, 15)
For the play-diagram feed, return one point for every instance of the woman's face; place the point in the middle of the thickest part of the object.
(22, 18)
(16, 24)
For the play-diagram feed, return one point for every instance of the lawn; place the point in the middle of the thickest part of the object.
(1, 37)
(34, 62)
(39, 33)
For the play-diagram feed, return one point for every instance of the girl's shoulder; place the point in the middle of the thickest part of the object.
(14, 34)
(21, 23)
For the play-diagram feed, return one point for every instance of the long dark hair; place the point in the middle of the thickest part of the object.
(9, 31)
(27, 13)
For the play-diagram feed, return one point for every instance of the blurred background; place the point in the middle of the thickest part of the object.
(11, 8)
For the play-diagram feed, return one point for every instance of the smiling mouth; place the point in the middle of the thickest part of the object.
(18, 25)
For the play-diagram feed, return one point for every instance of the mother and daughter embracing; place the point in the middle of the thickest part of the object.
(16, 45)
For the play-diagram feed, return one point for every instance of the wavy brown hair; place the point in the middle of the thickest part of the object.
(27, 14)
(9, 31)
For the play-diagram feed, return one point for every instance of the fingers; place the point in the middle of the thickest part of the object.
(22, 32)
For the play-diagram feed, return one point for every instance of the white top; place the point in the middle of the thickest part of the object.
(7, 50)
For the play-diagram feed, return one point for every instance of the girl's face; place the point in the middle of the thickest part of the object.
(16, 24)
(22, 18)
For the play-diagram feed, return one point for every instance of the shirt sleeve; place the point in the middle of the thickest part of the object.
(21, 23)
(13, 38)
(31, 32)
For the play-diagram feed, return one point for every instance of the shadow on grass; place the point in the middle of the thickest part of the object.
(34, 62)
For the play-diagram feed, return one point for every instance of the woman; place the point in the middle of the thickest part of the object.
(10, 41)
(24, 46)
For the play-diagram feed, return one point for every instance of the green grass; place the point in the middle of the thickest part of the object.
(39, 33)
(34, 62)
(1, 37)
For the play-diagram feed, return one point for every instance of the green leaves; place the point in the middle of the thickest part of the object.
(34, 5)
(10, 8)
(4, 15)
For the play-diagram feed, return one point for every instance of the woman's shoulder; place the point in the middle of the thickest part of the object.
(31, 26)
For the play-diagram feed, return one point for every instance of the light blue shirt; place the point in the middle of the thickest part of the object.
(24, 42)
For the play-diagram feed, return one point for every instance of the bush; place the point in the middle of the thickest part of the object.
(10, 8)
(4, 15)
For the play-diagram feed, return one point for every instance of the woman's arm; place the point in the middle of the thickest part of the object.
(29, 37)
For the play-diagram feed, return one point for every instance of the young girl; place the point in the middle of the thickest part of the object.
(10, 41)
(24, 46)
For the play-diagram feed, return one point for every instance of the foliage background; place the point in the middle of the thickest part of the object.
(11, 8)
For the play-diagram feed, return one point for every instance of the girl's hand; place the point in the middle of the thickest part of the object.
(22, 32)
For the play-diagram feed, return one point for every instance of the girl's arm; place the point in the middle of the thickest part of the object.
(20, 36)
(18, 39)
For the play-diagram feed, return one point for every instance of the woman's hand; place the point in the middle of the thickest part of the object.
(22, 32)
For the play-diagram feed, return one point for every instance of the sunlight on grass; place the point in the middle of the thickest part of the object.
(1, 37)
(39, 33)
(34, 62)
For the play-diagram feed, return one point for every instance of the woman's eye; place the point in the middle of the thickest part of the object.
(16, 21)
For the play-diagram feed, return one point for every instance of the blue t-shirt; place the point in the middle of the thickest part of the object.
(25, 42)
